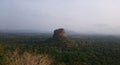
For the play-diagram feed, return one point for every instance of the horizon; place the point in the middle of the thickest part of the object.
(68, 32)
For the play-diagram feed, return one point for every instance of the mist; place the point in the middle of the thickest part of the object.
(81, 16)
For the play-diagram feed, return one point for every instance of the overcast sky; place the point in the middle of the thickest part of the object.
(82, 16)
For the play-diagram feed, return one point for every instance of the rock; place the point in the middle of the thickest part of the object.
(60, 39)
(59, 32)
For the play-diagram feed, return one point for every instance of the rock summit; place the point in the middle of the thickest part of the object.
(59, 32)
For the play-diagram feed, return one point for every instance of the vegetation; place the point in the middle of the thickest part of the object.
(32, 50)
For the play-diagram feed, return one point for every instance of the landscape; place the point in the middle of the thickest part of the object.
(59, 49)
(59, 32)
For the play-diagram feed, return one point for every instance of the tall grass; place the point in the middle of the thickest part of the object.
(26, 58)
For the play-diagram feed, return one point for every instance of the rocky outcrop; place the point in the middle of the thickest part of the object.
(59, 32)
(60, 39)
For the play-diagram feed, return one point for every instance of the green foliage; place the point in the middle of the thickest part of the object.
(2, 58)
(98, 51)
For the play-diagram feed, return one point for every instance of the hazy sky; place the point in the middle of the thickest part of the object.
(83, 16)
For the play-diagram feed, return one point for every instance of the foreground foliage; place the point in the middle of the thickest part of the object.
(33, 51)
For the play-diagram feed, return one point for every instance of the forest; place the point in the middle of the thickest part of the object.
(31, 49)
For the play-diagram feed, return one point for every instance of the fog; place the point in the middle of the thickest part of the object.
(81, 16)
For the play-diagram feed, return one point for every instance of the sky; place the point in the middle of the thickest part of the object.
(81, 16)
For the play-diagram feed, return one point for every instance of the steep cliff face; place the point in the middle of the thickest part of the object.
(59, 32)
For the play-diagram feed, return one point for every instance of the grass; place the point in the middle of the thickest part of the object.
(26, 58)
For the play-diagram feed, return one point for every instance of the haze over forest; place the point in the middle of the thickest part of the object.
(81, 16)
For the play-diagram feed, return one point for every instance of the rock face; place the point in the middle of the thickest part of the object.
(59, 32)
(60, 39)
